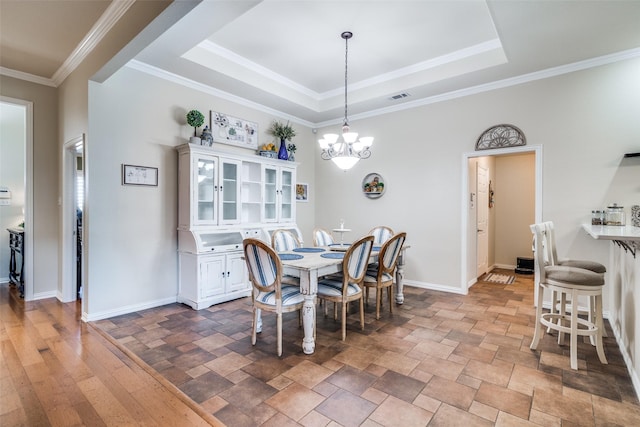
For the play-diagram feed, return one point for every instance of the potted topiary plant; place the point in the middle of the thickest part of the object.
(195, 119)
(284, 133)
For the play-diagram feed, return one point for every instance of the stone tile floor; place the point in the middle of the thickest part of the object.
(440, 359)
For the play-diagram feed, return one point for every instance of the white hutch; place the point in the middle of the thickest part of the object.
(222, 199)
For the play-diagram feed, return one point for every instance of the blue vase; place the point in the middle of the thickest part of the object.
(282, 153)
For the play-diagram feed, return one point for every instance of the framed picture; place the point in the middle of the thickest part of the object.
(233, 131)
(302, 192)
(373, 185)
(139, 175)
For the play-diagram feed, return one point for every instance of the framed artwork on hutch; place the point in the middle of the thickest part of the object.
(230, 130)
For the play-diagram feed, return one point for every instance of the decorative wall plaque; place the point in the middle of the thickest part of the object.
(501, 136)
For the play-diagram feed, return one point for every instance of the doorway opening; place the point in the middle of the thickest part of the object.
(17, 175)
(473, 263)
(73, 208)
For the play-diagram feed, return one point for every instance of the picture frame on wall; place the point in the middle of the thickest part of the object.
(302, 192)
(139, 175)
(231, 130)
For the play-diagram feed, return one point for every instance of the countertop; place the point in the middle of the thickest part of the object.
(613, 232)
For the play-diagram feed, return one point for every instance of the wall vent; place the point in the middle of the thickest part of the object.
(399, 96)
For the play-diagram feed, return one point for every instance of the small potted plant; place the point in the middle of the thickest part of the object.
(285, 133)
(195, 119)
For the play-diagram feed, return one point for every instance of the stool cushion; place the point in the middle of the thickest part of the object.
(596, 267)
(572, 275)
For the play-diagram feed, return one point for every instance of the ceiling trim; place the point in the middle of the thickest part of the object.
(183, 81)
(103, 25)
(21, 75)
(499, 84)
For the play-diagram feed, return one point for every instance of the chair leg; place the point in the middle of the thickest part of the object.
(600, 326)
(254, 329)
(378, 301)
(562, 311)
(538, 329)
(344, 321)
(390, 296)
(362, 314)
(574, 330)
(279, 334)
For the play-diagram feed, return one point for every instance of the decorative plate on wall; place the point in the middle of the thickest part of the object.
(501, 136)
(373, 185)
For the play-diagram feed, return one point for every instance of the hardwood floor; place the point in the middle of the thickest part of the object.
(57, 371)
(440, 359)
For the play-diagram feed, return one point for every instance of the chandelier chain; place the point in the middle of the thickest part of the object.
(346, 53)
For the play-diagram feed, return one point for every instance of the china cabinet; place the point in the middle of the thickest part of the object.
(222, 199)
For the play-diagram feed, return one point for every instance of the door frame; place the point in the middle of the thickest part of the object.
(469, 240)
(68, 224)
(28, 194)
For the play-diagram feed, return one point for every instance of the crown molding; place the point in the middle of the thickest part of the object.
(499, 84)
(26, 76)
(105, 23)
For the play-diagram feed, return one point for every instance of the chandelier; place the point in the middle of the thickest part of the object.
(346, 151)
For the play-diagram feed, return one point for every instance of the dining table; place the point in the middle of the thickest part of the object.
(311, 263)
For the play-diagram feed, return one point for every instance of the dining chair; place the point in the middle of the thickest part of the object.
(269, 293)
(322, 237)
(284, 240)
(346, 287)
(381, 234)
(569, 283)
(381, 274)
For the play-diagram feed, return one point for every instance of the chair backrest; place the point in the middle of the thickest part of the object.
(322, 237)
(389, 253)
(284, 240)
(264, 266)
(540, 250)
(381, 234)
(356, 261)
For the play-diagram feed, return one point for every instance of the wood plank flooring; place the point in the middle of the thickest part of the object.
(57, 371)
(439, 360)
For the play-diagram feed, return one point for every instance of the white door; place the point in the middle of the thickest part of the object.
(482, 220)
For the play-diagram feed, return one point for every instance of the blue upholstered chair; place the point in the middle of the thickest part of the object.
(381, 274)
(269, 294)
(381, 234)
(284, 240)
(322, 237)
(346, 287)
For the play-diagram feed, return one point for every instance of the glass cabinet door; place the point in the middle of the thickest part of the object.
(270, 193)
(207, 187)
(287, 195)
(230, 192)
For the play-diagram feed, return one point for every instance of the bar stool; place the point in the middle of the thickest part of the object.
(551, 258)
(572, 282)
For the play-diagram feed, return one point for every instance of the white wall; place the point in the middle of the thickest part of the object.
(138, 119)
(12, 175)
(585, 122)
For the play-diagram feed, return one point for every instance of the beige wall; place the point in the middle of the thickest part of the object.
(514, 186)
(45, 178)
(584, 122)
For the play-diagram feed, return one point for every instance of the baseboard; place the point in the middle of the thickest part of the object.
(434, 287)
(627, 361)
(90, 317)
(44, 295)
